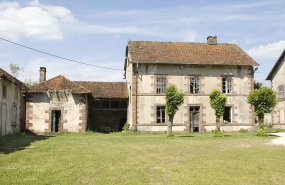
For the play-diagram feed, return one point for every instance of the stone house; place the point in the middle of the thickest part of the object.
(276, 77)
(196, 69)
(12, 100)
(62, 105)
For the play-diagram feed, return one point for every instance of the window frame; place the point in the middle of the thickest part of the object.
(4, 89)
(160, 88)
(196, 84)
(281, 93)
(227, 88)
(159, 117)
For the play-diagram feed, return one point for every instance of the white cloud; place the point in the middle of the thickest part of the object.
(269, 51)
(39, 21)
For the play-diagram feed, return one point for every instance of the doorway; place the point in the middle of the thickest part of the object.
(194, 119)
(55, 120)
(227, 115)
(3, 119)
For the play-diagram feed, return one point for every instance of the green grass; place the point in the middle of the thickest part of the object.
(141, 158)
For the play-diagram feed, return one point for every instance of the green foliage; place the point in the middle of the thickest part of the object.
(263, 100)
(270, 125)
(170, 135)
(174, 99)
(15, 69)
(261, 133)
(126, 127)
(218, 133)
(258, 85)
(218, 102)
(242, 130)
(30, 83)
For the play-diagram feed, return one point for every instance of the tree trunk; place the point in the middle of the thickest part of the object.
(169, 128)
(218, 123)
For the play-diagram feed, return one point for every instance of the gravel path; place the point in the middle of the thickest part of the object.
(280, 140)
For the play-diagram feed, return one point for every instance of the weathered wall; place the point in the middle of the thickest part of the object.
(210, 78)
(130, 85)
(278, 114)
(73, 109)
(13, 98)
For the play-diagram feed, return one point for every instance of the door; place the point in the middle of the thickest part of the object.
(3, 119)
(194, 119)
(55, 121)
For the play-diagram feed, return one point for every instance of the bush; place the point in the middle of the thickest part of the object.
(270, 125)
(171, 135)
(218, 133)
(126, 127)
(242, 130)
(261, 133)
(1, 141)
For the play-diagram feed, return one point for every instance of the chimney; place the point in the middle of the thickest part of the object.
(212, 40)
(42, 74)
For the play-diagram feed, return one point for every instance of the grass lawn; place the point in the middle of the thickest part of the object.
(141, 158)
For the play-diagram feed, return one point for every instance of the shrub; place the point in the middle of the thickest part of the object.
(242, 130)
(126, 127)
(270, 125)
(218, 133)
(261, 133)
(171, 135)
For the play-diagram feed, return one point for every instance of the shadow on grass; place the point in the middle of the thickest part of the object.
(185, 136)
(13, 143)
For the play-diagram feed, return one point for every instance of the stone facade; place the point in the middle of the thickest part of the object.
(73, 109)
(277, 75)
(144, 100)
(12, 108)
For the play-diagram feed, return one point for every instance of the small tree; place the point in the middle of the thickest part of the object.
(218, 102)
(174, 99)
(258, 85)
(15, 69)
(263, 100)
(30, 83)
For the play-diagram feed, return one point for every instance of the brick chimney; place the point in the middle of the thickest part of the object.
(212, 40)
(42, 74)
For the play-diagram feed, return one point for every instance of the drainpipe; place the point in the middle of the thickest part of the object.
(137, 96)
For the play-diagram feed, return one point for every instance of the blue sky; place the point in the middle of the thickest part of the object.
(97, 32)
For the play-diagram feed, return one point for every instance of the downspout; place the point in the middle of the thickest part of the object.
(137, 97)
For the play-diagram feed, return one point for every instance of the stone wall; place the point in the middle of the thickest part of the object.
(144, 105)
(278, 114)
(13, 103)
(73, 107)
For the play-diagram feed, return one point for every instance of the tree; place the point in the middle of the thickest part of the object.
(218, 102)
(30, 83)
(263, 100)
(174, 99)
(257, 85)
(15, 69)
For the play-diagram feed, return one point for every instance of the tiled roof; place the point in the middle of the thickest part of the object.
(275, 67)
(59, 83)
(106, 89)
(188, 53)
(21, 85)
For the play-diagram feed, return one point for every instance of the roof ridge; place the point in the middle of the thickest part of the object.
(19, 82)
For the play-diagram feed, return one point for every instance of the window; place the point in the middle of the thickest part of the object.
(14, 114)
(4, 91)
(160, 84)
(281, 92)
(194, 84)
(160, 114)
(227, 85)
(228, 115)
